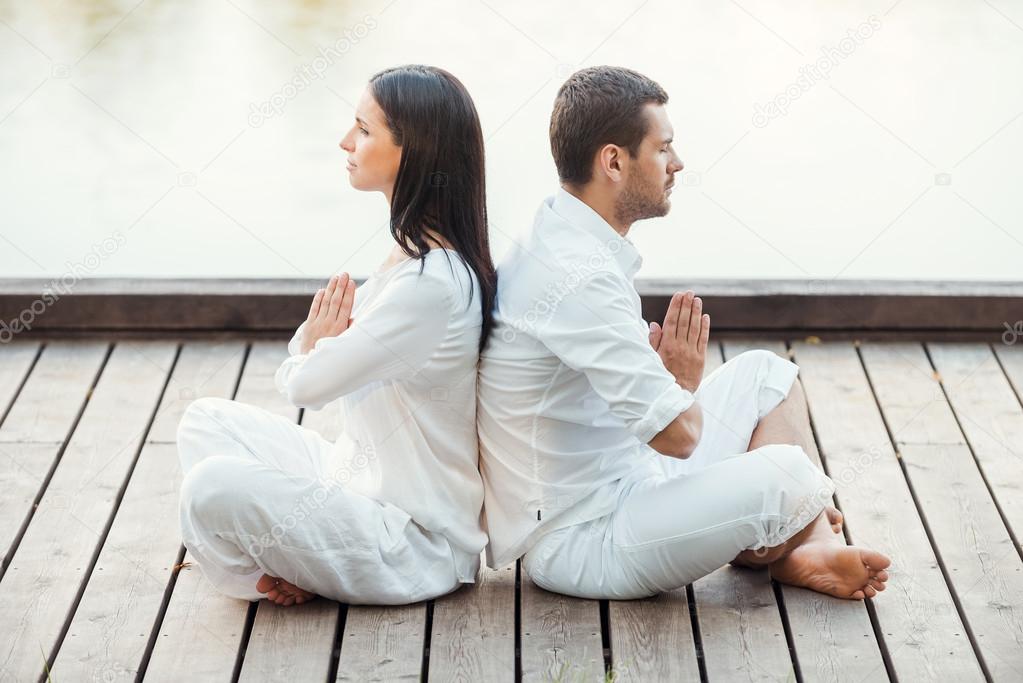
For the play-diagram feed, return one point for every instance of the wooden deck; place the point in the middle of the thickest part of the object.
(924, 441)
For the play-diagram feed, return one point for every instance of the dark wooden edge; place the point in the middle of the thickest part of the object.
(268, 307)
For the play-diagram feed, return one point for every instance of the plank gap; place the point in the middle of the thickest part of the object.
(926, 525)
(9, 556)
(87, 574)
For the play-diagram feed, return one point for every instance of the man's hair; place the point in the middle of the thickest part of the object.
(597, 106)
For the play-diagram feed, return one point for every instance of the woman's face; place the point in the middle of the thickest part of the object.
(373, 157)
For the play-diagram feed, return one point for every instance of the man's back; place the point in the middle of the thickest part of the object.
(570, 389)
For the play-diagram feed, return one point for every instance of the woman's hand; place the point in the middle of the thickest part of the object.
(330, 312)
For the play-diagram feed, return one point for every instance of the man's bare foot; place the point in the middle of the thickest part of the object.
(844, 571)
(835, 518)
(282, 592)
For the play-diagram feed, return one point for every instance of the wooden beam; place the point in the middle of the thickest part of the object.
(38, 305)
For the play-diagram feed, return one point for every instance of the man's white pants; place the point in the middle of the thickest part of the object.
(669, 530)
(262, 494)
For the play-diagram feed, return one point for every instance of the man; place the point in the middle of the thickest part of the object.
(608, 466)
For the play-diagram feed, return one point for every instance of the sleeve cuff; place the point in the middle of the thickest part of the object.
(284, 372)
(665, 408)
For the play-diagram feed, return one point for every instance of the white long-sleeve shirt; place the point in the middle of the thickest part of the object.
(406, 369)
(570, 390)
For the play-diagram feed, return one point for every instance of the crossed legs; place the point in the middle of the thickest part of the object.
(816, 557)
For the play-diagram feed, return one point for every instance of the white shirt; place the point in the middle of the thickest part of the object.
(406, 368)
(570, 390)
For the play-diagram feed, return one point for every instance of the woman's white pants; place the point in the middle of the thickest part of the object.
(262, 494)
(669, 530)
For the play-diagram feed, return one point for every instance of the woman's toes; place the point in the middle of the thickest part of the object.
(858, 595)
(881, 575)
(877, 585)
(869, 591)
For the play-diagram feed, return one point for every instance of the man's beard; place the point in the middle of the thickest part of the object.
(639, 200)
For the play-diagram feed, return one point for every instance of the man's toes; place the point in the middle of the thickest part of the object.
(869, 591)
(875, 560)
(858, 595)
(881, 575)
(877, 585)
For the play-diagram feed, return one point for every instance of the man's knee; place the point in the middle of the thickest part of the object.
(794, 490)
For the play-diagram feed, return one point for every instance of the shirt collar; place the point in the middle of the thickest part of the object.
(581, 215)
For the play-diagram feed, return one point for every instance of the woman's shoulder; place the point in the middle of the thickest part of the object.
(441, 271)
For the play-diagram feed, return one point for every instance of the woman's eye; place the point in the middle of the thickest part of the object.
(363, 131)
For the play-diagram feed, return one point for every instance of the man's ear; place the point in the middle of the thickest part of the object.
(609, 160)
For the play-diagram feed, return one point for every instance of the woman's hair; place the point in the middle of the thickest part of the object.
(440, 184)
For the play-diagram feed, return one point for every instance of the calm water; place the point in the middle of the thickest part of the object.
(162, 138)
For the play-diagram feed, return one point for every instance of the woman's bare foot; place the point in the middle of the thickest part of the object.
(844, 571)
(835, 518)
(282, 592)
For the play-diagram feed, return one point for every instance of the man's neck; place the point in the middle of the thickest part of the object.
(599, 202)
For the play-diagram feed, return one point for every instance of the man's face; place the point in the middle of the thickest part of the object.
(651, 173)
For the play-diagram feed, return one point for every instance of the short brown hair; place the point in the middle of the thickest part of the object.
(596, 106)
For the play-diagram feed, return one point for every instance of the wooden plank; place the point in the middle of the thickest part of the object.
(1011, 358)
(111, 628)
(560, 636)
(52, 397)
(990, 414)
(652, 638)
(16, 359)
(980, 559)
(54, 558)
(296, 642)
(383, 643)
(473, 636)
(833, 638)
(740, 622)
(923, 634)
(201, 625)
(37, 424)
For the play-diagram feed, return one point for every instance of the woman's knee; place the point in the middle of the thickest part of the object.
(211, 488)
(198, 413)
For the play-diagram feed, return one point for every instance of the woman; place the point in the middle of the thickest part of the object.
(390, 513)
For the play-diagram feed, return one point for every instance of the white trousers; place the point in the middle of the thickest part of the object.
(261, 494)
(669, 530)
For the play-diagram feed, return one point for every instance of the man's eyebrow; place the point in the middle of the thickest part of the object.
(668, 140)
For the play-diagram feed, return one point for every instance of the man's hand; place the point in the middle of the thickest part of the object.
(682, 341)
(330, 312)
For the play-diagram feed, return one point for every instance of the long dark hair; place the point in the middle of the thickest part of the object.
(440, 184)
